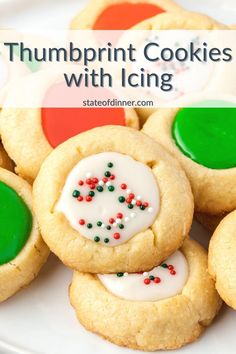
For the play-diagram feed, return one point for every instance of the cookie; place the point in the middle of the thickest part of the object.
(164, 308)
(119, 14)
(22, 250)
(112, 198)
(50, 126)
(177, 21)
(210, 222)
(5, 161)
(222, 263)
(203, 141)
(233, 27)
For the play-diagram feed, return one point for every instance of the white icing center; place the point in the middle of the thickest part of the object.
(139, 185)
(132, 286)
(3, 72)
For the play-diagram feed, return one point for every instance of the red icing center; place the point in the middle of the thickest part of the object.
(60, 124)
(125, 15)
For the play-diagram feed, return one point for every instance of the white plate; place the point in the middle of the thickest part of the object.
(39, 319)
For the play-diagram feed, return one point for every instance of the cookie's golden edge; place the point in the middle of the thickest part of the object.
(18, 273)
(149, 326)
(222, 260)
(87, 17)
(144, 250)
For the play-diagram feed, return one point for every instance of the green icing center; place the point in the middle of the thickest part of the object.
(15, 223)
(207, 135)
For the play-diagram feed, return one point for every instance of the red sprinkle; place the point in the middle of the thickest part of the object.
(111, 221)
(80, 183)
(172, 272)
(89, 181)
(157, 280)
(138, 203)
(81, 221)
(131, 195)
(145, 204)
(105, 179)
(95, 180)
(119, 216)
(88, 198)
(147, 281)
(123, 186)
(80, 198)
(170, 267)
(116, 236)
(128, 200)
(112, 177)
(92, 186)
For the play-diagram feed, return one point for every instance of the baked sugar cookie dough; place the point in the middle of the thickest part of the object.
(119, 14)
(222, 262)
(50, 126)
(203, 141)
(164, 308)
(181, 20)
(22, 250)
(112, 198)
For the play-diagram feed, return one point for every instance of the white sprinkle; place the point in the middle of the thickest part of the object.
(103, 226)
(88, 174)
(145, 274)
(126, 274)
(132, 215)
(108, 184)
(133, 202)
(101, 183)
(126, 219)
(139, 197)
(118, 221)
(150, 210)
(128, 191)
(114, 224)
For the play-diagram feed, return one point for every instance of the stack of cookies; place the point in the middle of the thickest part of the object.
(116, 204)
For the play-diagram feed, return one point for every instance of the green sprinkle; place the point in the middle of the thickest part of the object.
(130, 206)
(164, 265)
(91, 193)
(99, 223)
(120, 274)
(108, 227)
(121, 226)
(151, 277)
(76, 194)
(110, 164)
(142, 207)
(96, 238)
(89, 226)
(111, 188)
(100, 189)
(107, 174)
(121, 199)
(106, 240)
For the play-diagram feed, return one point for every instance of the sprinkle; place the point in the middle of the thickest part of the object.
(130, 206)
(120, 274)
(128, 191)
(147, 281)
(106, 240)
(138, 203)
(128, 200)
(111, 188)
(110, 164)
(133, 202)
(119, 215)
(126, 219)
(145, 204)
(91, 193)
(139, 197)
(81, 221)
(96, 238)
(173, 272)
(121, 199)
(108, 184)
(75, 193)
(105, 179)
(101, 183)
(100, 189)
(121, 226)
(131, 195)
(126, 274)
(116, 236)
(88, 174)
(118, 221)
(103, 226)
(150, 210)
(142, 207)
(88, 198)
(89, 226)
(145, 274)
(80, 198)
(157, 280)
(99, 223)
(132, 215)
(114, 224)
(107, 174)
(151, 277)
(80, 183)
(123, 186)
(108, 227)
(112, 177)
(170, 267)
(111, 221)
(164, 265)
(92, 186)
(95, 180)
(89, 181)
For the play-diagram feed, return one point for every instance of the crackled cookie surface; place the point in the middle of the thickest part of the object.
(164, 308)
(103, 199)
